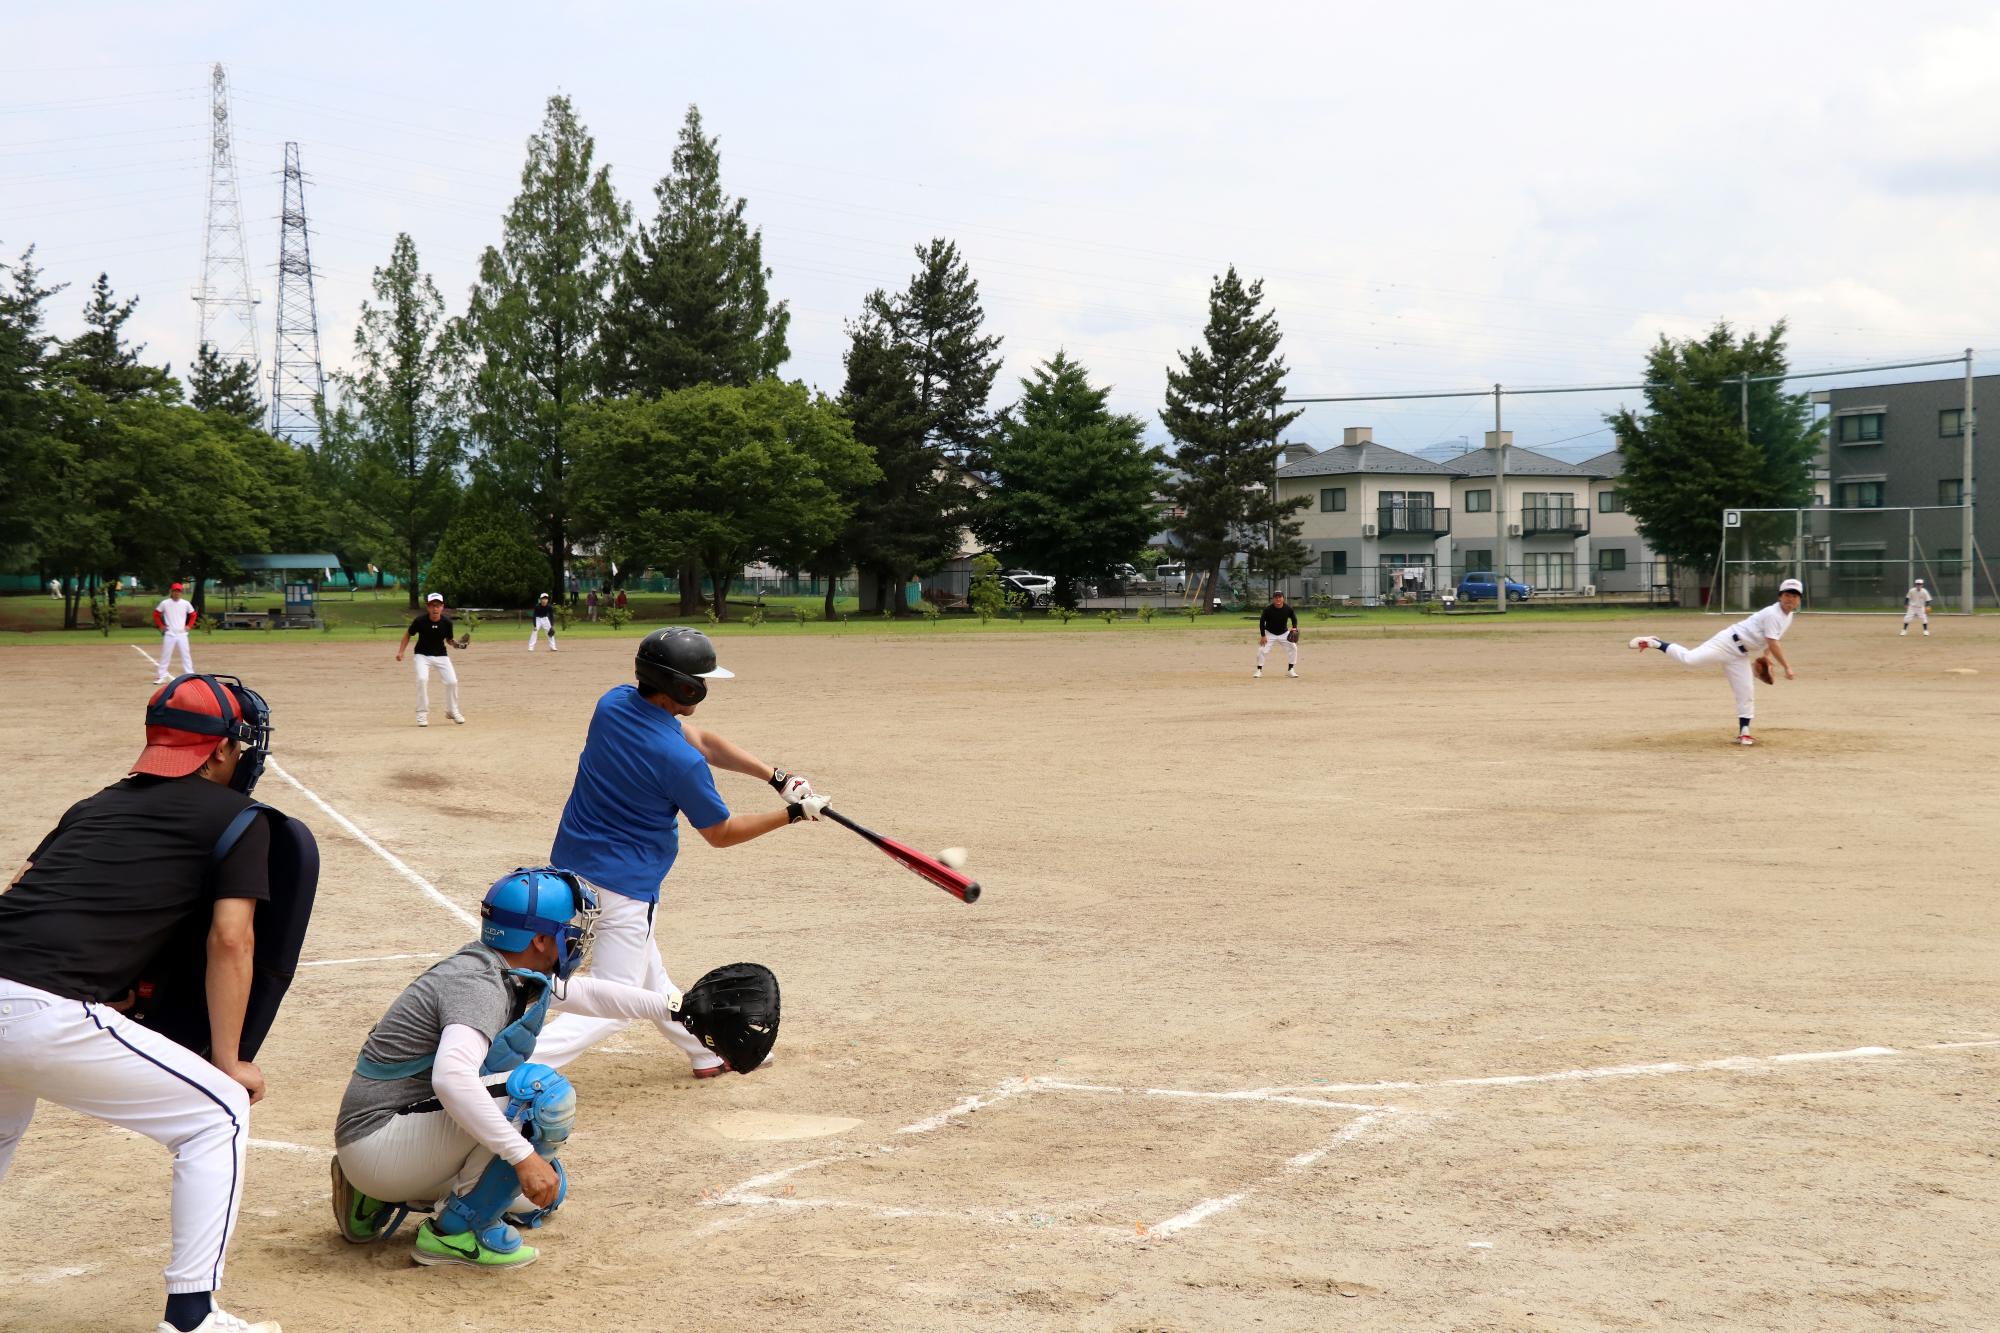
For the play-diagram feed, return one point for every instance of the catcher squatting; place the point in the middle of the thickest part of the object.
(147, 944)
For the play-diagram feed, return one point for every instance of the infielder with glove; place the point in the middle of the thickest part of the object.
(644, 764)
(544, 616)
(1278, 624)
(174, 618)
(170, 875)
(432, 631)
(1917, 606)
(429, 1124)
(1748, 647)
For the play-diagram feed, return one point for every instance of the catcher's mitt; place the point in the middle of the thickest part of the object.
(1292, 635)
(734, 1012)
(1761, 668)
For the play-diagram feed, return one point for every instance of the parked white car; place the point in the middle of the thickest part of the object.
(1039, 589)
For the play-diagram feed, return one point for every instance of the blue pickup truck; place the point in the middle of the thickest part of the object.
(1480, 588)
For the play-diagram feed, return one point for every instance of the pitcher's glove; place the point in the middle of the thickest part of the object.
(734, 1012)
(1761, 668)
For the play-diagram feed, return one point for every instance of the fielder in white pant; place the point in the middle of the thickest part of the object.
(174, 618)
(544, 616)
(643, 766)
(100, 903)
(1278, 624)
(1738, 649)
(1917, 606)
(432, 631)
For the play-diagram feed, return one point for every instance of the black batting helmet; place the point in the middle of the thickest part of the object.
(678, 662)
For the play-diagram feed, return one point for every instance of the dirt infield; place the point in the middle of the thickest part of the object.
(1469, 982)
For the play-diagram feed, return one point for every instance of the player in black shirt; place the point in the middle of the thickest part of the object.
(1278, 624)
(122, 885)
(432, 631)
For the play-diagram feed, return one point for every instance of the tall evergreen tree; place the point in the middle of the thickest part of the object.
(228, 387)
(100, 360)
(1687, 458)
(406, 392)
(1222, 411)
(936, 322)
(1073, 480)
(910, 519)
(534, 318)
(24, 404)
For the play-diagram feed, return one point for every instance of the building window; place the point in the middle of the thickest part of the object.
(1333, 500)
(1477, 562)
(1951, 421)
(1333, 562)
(1859, 562)
(1859, 428)
(1610, 562)
(1858, 495)
(1479, 502)
(1611, 502)
(1951, 491)
(1553, 570)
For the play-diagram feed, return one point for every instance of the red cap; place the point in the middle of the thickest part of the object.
(171, 752)
(175, 588)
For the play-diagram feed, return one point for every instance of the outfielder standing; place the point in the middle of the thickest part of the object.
(127, 875)
(432, 631)
(1917, 606)
(643, 766)
(1749, 646)
(174, 618)
(1278, 624)
(544, 617)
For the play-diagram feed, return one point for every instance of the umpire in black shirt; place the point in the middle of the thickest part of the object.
(157, 874)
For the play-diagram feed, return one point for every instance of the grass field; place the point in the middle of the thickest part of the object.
(1471, 981)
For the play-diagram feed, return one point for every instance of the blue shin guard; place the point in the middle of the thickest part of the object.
(479, 1209)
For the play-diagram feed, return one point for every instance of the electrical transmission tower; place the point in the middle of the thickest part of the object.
(228, 307)
(298, 385)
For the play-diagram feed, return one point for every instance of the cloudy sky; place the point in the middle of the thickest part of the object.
(1438, 197)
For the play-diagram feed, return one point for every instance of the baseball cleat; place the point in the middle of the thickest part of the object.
(1645, 641)
(457, 717)
(221, 1321)
(1258, 674)
(423, 722)
(362, 1220)
(1745, 738)
(1293, 672)
(471, 1251)
(711, 1071)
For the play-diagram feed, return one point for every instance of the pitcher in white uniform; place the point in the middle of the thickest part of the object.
(1738, 648)
(174, 618)
(1917, 606)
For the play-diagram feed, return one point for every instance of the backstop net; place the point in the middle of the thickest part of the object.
(1849, 559)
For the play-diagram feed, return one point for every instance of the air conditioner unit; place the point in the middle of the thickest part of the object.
(1513, 529)
(1590, 590)
(1368, 529)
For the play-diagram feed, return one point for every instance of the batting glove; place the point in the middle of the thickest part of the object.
(792, 787)
(809, 808)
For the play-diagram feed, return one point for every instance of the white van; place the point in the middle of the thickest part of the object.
(1171, 578)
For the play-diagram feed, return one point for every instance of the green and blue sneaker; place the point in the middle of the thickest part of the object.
(362, 1220)
(488, 1249)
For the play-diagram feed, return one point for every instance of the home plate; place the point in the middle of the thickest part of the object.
(776, 1126)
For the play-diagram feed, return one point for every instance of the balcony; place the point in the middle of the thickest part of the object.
(1420, 521)
(1563, 521)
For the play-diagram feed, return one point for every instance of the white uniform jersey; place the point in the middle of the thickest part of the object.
(1917, 598)
(1759, 631)
(174, 614)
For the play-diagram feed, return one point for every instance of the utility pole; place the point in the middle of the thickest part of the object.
(298, 385)
(1499, 506)
(1967, 589)
(227, 307)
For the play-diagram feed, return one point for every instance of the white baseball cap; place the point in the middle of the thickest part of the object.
(1920, 580)
(1791, 585)
(435, 597)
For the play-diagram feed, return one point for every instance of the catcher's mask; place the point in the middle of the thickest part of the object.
(541, 900)
(179, 719)
(678, 662)
(734, 1012)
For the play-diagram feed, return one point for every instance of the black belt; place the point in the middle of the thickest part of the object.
(429, 1104)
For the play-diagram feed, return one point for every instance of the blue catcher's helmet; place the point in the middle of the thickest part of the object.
(540, 900)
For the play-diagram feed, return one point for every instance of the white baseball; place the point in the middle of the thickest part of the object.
(955, 857)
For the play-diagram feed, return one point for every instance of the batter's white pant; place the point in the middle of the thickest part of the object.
(417, 1159)
(543, 625)
(625, 951)
(1735, 662)
(1917, 613)
(447, 673)
(171, 642)
(1271, 641)
(95, 1060)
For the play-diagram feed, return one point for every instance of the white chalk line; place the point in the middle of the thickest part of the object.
(353, 830)
(378, 958)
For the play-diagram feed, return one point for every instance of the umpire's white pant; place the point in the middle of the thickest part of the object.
(97, 1061)
(171, 642)
(417, 1158)
(624, 951)
(543, 625)
(1726, 649)
(442, 665)
(1272, 640)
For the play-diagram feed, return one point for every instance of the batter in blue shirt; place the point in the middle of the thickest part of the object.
(643, 766)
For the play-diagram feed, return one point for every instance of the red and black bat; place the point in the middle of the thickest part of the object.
(932, 869)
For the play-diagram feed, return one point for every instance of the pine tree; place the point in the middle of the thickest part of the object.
(936, 323)
(909, 520)
(1688, 458)
(406, 394)
(100, 360)
(228, 387)
(1073, 480)
(25, 409)
(534, 319)
(1222, 411)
